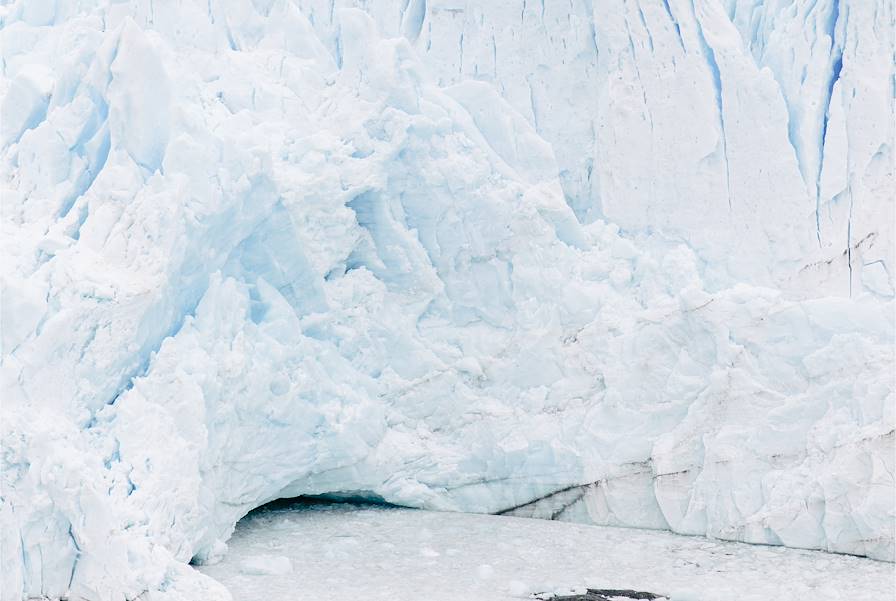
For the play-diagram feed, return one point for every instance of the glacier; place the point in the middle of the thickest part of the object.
(623, 263)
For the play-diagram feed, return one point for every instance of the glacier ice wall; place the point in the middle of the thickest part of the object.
(759, 133)
(626, 263)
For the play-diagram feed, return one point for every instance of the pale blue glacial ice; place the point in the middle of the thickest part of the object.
(604, 262)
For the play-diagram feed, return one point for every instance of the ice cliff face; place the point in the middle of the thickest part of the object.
(759, 133)
(627, 263)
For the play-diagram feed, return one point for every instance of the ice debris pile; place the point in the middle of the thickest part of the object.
(626, 263)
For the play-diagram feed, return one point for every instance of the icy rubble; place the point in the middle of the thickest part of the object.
(250, 256)
(445, 557)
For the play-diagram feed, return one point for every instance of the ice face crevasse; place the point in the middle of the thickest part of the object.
(780, 169)
(259, 250)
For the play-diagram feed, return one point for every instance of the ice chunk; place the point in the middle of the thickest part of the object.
(139, 98)
(25, 101)
(274, 565)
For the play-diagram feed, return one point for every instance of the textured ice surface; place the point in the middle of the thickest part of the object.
(758, 132)
(259, 250)
(412, 555)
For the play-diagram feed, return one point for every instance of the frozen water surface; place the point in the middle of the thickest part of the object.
(384, 553)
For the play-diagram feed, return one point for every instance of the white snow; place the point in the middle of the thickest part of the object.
(347, 552)
(607, 262)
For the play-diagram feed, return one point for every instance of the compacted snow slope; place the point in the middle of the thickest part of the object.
(259, 250)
